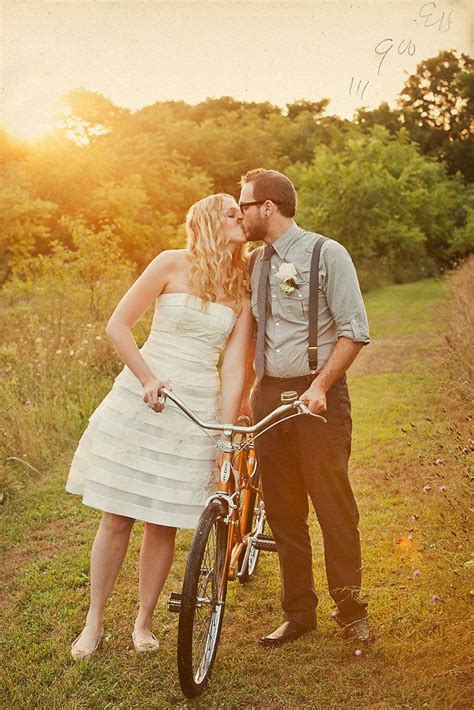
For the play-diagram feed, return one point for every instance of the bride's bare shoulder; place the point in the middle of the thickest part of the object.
(170, 258)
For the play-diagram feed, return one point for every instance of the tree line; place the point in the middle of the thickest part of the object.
(393, 185)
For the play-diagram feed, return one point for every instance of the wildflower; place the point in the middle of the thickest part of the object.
(98, 337)
(58, 352)
(442, 488)
(410, 537)
(438, 462)
(426, 489)
(416, 572)
(435, 598)
(71, 353)
(357, 652)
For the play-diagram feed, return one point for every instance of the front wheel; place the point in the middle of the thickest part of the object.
(203, 600)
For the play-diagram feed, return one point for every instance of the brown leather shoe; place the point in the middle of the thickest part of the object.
(288, 631)
(358, 630)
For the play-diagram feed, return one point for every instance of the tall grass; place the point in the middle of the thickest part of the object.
(55, 358)
(460, 337)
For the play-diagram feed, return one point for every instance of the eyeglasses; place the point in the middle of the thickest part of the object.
(258, 202)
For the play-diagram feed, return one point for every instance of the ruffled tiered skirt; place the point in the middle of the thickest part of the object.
(158, 467)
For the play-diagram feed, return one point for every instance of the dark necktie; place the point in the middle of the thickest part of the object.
(262, 311)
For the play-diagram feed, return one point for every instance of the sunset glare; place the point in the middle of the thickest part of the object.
(137, 53)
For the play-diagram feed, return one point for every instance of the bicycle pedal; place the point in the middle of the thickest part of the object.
(174, 602)
(264, 542)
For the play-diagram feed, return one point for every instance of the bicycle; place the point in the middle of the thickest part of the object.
(227, 541)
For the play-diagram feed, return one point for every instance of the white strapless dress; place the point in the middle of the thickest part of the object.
(158, 466)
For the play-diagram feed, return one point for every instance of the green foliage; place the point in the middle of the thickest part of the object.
(25, 220)
(139, 172)
(436, 106)
(395, 211)
(55, 354)
(77, 283)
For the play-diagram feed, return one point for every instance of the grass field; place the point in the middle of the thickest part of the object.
(409, 470)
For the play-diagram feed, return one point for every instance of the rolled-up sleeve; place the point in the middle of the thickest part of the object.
(344, 298)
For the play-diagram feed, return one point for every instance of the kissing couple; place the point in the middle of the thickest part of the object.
(139, 461)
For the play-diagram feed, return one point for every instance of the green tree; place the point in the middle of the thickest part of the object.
(437, 107)
(395, 210)
(25, 220)
(314, 108)
(381, 116)
(88, 115)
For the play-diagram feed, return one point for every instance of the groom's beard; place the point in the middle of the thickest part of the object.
(256, 232)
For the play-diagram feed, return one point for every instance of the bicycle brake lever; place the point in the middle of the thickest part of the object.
(304, 410)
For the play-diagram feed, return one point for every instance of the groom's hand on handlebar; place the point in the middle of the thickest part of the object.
(315, 399)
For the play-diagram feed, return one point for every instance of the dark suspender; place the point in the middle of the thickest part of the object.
(313, 306)
(313, 301)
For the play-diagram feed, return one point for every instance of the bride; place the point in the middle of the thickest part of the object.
(136, 461)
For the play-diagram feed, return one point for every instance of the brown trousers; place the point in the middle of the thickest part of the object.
(304, 457)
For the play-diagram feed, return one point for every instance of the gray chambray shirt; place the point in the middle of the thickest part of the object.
(341, 307)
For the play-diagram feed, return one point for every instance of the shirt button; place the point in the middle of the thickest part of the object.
(273, 268)
(278, 350)
(273, 295)
(300, 295)
(277, 323)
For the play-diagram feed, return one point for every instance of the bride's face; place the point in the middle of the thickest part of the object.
(233, 230)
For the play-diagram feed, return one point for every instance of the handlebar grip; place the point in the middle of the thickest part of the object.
(303, 408)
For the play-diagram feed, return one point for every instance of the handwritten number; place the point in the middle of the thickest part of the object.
(448, 20)
(438, 22)
(358, 87)
(423, 7)
(384, 53)
(409, 47)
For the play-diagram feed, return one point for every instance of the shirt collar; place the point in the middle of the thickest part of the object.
(283, 243)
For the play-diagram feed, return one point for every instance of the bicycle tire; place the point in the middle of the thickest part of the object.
(196, 656)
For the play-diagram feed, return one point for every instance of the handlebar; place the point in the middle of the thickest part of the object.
(165, 393)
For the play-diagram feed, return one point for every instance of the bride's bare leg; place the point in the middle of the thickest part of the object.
(108, 552)
(156, 557)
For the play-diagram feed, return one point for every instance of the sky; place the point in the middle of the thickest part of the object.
(136, 53)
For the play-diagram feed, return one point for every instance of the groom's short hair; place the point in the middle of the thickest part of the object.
(274, 186)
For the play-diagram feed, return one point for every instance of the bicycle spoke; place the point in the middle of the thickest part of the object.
(208, 608)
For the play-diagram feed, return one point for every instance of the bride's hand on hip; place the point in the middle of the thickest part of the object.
(151, 393)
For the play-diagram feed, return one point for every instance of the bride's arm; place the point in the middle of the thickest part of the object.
(128, 312)
(233, 366)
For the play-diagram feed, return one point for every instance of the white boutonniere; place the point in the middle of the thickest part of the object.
(287, 273)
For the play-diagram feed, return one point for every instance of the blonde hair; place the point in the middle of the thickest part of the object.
(215, 270)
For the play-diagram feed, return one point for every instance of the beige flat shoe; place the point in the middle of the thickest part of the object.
(81, 654)
(145, 646)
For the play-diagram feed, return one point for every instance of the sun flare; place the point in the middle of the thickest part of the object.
(31, 118)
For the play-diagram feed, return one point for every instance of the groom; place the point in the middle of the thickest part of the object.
(305, 457)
